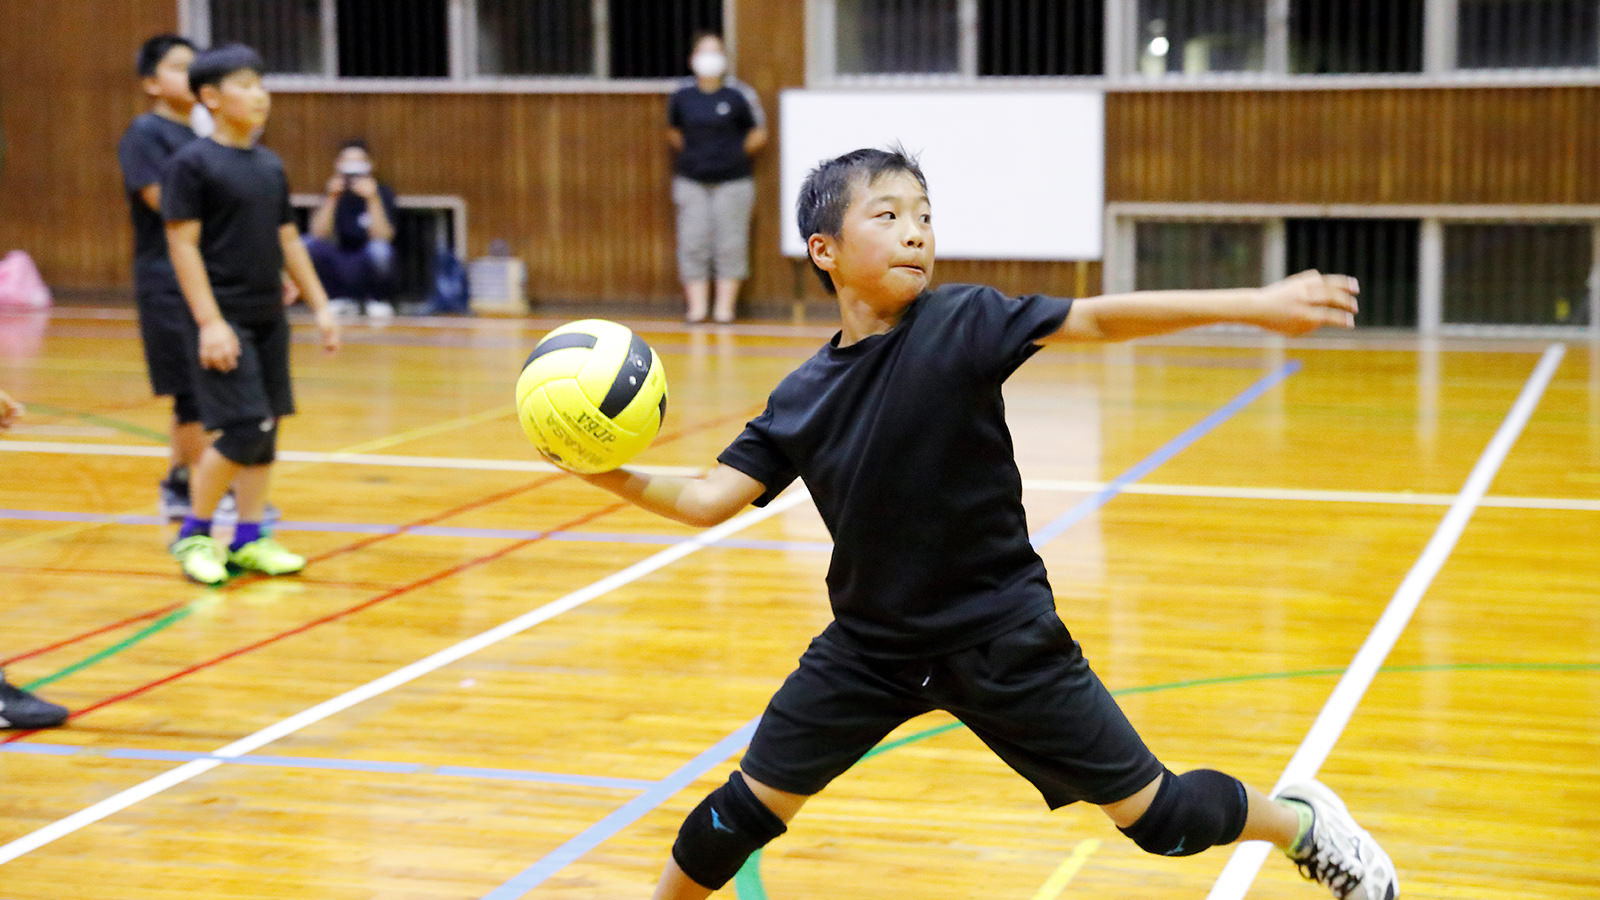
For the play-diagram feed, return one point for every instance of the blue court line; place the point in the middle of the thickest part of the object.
(623, 816)
(343, 765)
(1167, 451)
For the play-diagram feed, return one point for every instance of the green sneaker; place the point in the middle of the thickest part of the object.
(266, 556)
(201, 558)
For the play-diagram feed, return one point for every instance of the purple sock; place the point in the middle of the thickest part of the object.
(244, 533)
(193, 526)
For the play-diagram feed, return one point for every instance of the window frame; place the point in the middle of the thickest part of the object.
(462, 48)
(1120, 259)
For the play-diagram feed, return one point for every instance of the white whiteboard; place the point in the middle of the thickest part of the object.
(1011, 174)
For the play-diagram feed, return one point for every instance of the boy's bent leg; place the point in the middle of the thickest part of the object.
(719, 835)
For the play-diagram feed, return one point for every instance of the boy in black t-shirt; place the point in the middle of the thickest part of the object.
(151, 139)
(230, 231)
(898, 429)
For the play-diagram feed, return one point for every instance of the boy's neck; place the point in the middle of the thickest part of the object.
(176, 112)
(861, 319)
(232, 134)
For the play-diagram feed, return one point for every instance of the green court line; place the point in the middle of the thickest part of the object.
(747, 884)
(159, 625)
(95, 419)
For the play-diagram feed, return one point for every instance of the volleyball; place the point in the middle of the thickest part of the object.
(591, 395)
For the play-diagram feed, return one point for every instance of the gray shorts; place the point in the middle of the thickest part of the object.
(713, 227)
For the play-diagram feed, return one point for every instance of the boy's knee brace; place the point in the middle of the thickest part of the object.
(185, 408)
(729, 824)
(249, 443)
(1191, 812)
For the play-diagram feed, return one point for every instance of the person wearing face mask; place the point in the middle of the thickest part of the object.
(716, 125)
(352, 236)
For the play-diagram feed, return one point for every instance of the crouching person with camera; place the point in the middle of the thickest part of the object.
(352, 236)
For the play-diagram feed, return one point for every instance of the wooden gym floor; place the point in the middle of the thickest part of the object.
(493, 681)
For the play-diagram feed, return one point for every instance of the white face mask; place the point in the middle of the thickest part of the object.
(708, 64)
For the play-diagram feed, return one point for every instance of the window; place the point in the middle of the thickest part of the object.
(1175, 255)
(1344, 36)
(1383, 254)
(1041, 37)
(1534, 34)
(418, 39)
(1506, 274)
(1199, 36)
(897, 36)
(516, 37)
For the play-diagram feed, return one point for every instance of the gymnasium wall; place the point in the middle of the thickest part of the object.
(577, 183)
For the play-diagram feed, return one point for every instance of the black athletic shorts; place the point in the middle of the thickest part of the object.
(1029, 694)
(165, 324)
(257, 389)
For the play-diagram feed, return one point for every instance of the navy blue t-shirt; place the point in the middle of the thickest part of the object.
(714, 126)
(241, 197)
(144, 150)
(352, 218)
(902, 441)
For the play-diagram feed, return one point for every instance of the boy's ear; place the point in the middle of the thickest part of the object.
(822, 249)
(150, 86)
(210, 96)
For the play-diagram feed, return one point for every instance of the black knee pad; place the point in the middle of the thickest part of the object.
(185, 408)
(249, 443)
(1191, 812)
(729, 824)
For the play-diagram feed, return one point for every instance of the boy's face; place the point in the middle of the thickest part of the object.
(171, 80)
(884, 251)
(240, 100)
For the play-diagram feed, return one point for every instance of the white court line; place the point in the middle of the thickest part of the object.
(1222, 492)
(121, 801)
(1247, 858)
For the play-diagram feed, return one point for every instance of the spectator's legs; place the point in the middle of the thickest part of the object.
(379, 278)
(731, 205)
(693, 201)
(341, 273)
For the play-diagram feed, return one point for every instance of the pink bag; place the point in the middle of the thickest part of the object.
(21, 286)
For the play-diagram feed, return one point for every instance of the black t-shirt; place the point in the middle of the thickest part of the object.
(902, 440)
(714, 126)
(241, 197)
(351, 219)
(143, 152)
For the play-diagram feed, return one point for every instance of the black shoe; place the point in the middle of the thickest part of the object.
(20, 709)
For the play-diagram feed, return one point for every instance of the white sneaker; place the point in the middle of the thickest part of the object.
(380, 309)
(1336, 852)
(344, 308)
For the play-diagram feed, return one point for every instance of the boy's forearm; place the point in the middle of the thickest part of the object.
(1120, 317)
(663, 495)
(190, 268)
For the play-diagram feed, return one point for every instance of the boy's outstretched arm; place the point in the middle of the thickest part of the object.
(710, 499)
(1293, 306)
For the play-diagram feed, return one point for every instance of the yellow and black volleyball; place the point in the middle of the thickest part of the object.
(592, 395)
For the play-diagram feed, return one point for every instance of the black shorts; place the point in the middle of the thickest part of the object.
(258, 387)
(165, 325)
(1029, 694)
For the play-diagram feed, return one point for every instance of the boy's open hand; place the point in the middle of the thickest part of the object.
(219, 346)
(1305, 302)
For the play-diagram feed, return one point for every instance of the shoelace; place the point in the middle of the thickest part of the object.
(1322, 867)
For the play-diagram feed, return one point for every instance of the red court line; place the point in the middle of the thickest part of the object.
(395, 592)
(370, 540)
(307, 626)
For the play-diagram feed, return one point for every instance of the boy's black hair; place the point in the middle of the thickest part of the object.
(153, 51)
(825, 195)
(213, 65)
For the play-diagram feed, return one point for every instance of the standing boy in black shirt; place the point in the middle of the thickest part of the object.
(230, 230)
(151, 139)
(898, 429)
